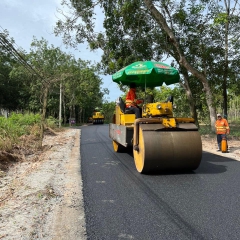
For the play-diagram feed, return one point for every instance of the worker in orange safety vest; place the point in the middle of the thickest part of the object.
(132, 101)
(222, 129)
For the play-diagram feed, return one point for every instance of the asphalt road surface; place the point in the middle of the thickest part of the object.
(121, 203)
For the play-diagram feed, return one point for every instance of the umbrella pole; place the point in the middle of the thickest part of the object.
(145, 91)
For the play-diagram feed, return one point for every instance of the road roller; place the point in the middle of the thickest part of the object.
(160, 141)
(97, 117)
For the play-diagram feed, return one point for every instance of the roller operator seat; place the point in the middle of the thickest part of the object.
(123, 107)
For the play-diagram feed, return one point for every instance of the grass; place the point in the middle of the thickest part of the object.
(18, 125)
(234, 131)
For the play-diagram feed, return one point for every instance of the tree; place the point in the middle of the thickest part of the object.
(82, 92)
(228, 21)
(181, 30)
(46, 61)
(47, 79)
(108, 109)
(11, 84)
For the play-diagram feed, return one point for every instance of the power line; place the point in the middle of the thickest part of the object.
(9, 50)
(25, 69)
(12, 50)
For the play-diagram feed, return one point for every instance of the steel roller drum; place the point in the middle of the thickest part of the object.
(167, 150)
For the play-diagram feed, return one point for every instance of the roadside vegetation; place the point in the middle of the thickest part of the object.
(23, 131)
(20, 137)
(234, 130)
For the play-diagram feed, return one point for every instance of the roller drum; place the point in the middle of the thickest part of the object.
(168, 150)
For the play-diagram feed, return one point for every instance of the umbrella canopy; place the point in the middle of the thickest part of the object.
(148, 73)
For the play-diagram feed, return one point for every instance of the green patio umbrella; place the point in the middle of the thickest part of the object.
(147, 74)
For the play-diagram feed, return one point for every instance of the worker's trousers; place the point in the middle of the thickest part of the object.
(135, 110)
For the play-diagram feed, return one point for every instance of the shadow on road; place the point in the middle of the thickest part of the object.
(213, 164)
(210, 164)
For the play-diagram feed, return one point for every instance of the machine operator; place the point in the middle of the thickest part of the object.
(132, 101)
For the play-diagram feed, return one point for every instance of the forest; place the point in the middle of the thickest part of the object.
(200, 38)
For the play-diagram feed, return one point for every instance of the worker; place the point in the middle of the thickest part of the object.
(222, 129)
(132, 101)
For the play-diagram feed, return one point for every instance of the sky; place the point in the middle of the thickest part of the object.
(27, 18)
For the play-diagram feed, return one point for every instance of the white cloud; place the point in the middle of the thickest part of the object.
(10, 3)
(27, 18)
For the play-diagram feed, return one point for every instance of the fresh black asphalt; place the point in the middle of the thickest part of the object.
(120, 203)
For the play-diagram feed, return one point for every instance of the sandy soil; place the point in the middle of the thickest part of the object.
(209, 144)
(41, 196)
(41, 193)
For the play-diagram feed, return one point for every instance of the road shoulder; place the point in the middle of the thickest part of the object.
(41, 197)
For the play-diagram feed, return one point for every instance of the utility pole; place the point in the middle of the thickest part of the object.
(60, 105)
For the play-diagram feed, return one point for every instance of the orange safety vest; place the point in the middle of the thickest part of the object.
(131, 100)
(222, 126)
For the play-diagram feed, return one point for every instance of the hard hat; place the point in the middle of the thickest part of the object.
(219, 115)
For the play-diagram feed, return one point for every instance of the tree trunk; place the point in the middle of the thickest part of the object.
(60, 106)
(64, 108)
(44, 109)
(149, 98)
(83, 119)
(183, 62)
(80, 115)
(74, 111)
(191, 100)
(225, 75)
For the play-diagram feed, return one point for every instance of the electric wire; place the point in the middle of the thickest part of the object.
(8, 45)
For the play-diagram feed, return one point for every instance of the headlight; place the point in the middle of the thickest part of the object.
(159, 107)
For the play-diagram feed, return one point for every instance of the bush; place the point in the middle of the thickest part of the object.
(52, 122)
(205, 130)
(25, 119)
(234, 130)
(15, 126)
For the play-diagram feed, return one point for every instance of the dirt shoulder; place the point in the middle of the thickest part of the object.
(41, 193)
(42, 199)
(209, 144)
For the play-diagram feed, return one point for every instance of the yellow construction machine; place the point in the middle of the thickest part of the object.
(159, 140)
(97, 117)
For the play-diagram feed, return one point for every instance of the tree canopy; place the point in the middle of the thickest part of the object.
(200, 36)
(49, 69)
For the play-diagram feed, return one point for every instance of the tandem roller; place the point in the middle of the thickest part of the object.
(160, 141)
